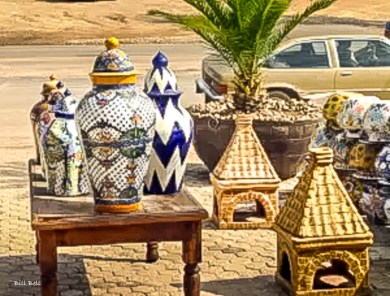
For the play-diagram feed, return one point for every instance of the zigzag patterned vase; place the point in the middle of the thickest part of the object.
(174, 130)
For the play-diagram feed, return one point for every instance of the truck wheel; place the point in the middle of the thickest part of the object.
(278, 95)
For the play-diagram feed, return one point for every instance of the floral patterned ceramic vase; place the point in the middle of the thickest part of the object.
(323, 136)
(376, 122)
(35, 114)
(382, 163)
(352, 114)
(117, 123)
(342, 147)
(66, 174)
(174, 130)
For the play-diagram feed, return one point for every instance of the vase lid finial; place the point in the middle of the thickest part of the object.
(160, 60)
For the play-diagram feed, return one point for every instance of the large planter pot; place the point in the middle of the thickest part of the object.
(117, 126)
(174, 130)
(284, 142)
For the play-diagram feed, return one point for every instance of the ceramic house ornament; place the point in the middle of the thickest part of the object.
(376, 122)
(66, 172)
(322, 241)
(117, 123)
(174, 130)
(352, 114)
(244, 174)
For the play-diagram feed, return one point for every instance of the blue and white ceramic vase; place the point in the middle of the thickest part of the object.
(117, 123)
(60, 140)
(174, 130)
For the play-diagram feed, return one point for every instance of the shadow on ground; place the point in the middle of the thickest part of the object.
(261, 285)
(22, 275)
(197, 175)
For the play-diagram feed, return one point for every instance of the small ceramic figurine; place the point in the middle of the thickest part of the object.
(66, 175)
(117, 123)
(174, 130)
(352, 115)
(36, 112)
(376, 122)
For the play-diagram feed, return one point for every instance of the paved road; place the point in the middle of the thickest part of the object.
(234, 262)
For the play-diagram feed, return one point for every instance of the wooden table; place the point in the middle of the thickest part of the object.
(72, 221)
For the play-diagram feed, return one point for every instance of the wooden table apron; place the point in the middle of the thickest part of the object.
(181, 223)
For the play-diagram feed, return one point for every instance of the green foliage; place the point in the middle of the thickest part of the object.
(243, 32)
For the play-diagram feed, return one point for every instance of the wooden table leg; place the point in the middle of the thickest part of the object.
(37, 248)
(192, 255)
(48, 262)
(152, 252)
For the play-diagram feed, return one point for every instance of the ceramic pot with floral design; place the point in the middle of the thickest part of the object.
(342, 147)
(352, 115)
(333, 106)
(117, 123)
(174, 130)
(376, 121)
(382, 163)
(323, 136)
(66, 172)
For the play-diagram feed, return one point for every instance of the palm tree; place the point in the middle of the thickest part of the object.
(243, 33)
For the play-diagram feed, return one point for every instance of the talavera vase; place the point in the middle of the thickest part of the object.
(38, 109)
(174, 130)
(66, 172)
(117, 123)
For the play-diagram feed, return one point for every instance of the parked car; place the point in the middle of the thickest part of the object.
(314, 65)
(387, 30)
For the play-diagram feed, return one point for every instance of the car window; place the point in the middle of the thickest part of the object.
(303, 55)
(363, 53)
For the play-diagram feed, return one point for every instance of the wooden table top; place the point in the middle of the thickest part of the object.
(51, 212)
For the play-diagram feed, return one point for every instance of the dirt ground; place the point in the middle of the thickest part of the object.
(61, 21)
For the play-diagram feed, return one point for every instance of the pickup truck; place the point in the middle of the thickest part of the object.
(310, 66)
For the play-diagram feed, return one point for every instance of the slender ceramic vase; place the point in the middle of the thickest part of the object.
(38, 109)
(66, 174)
(117, 123)
(174, 130)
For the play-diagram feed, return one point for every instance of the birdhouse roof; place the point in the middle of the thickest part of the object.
(319, 205)
(245, 157)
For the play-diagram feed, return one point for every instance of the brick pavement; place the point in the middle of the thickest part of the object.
(234, 262)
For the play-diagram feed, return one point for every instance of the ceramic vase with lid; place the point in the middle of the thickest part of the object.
(66, 172)
(352, 115)
(117, 123)
(376, 123)
(174, 130)
(37, 110)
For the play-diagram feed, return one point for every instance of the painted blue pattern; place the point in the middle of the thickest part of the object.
(174, 130)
